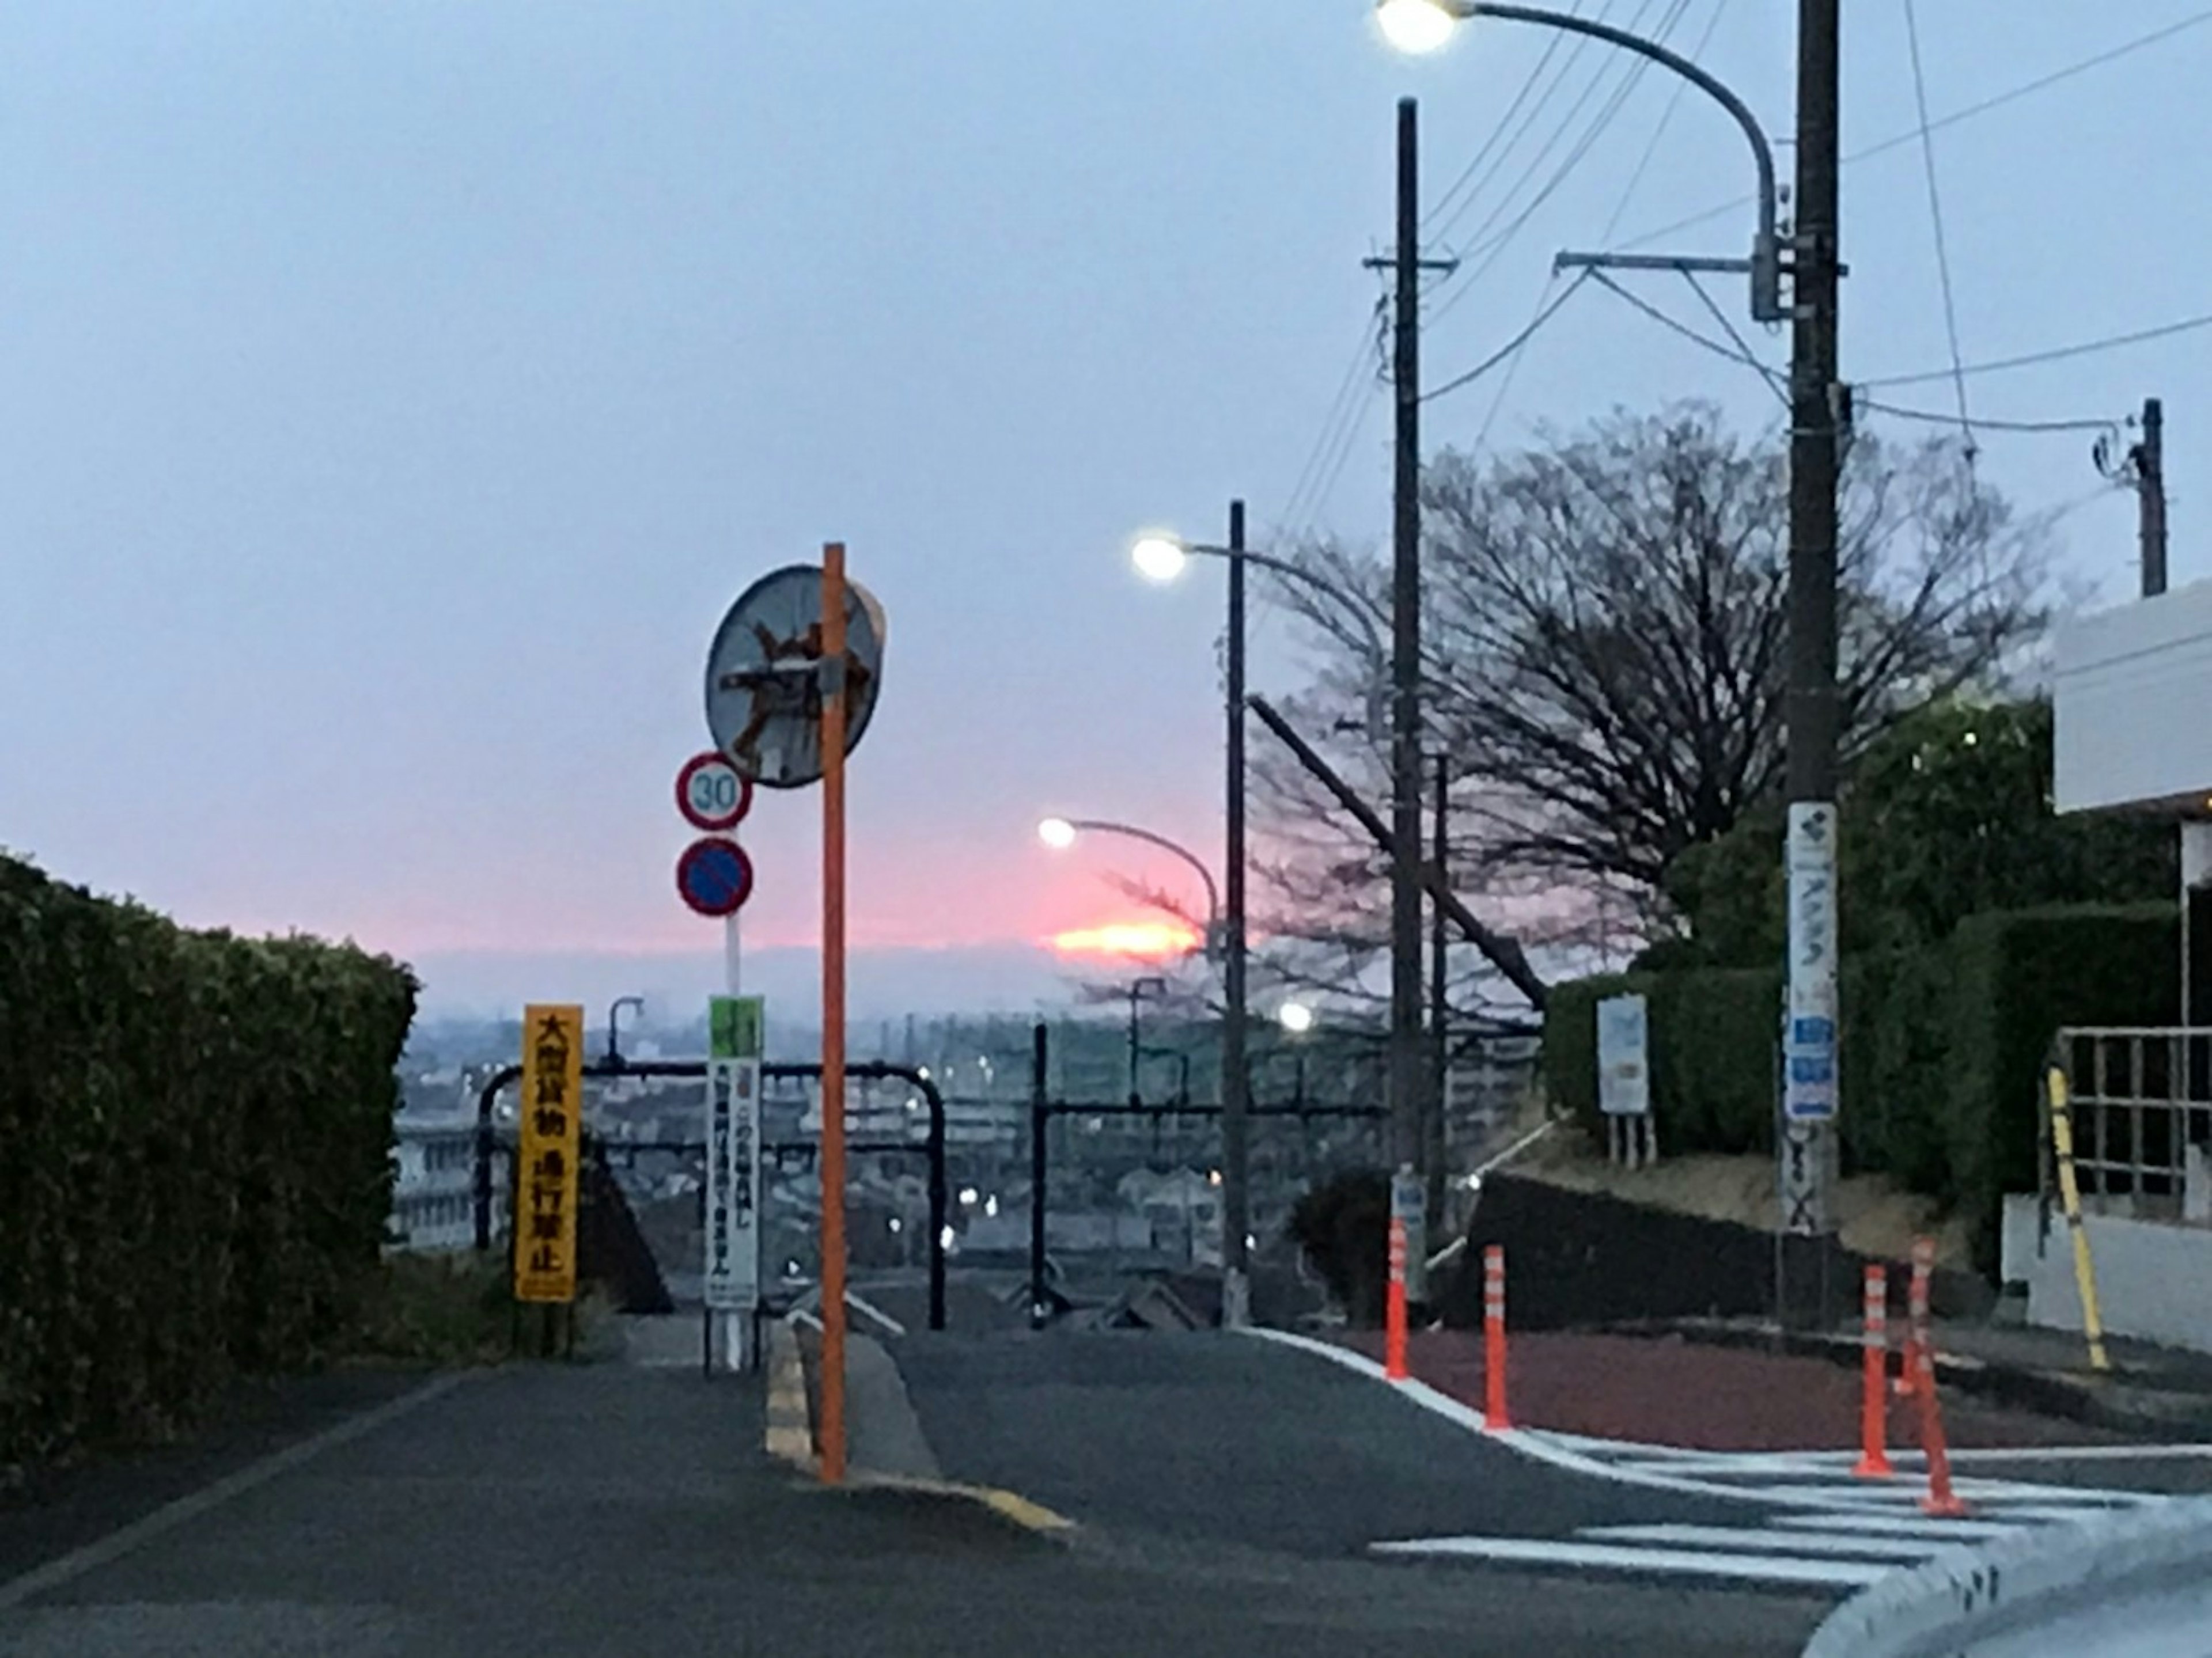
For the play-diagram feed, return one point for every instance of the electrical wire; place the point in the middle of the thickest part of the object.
(2057, 354)
(1936, 215)
(2126, 48)
(1485, 254)
(1342, 407)
(1665, 118)
(1738, 354)
(1544, 314)
(1742, 345)
(1512, 373)
(1553, 42)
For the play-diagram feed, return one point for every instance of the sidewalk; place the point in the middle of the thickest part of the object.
(2151, 1392)
(1706, 1395)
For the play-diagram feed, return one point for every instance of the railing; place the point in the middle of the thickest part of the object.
(2142, 1103)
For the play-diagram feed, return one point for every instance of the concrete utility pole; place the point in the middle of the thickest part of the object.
(1439, 992)
(2149, 458)
(1809, 1084)
(1235, 1153)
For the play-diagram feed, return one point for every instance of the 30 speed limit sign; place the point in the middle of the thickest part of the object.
(711, 794)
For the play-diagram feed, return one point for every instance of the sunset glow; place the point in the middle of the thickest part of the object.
(1147, 941)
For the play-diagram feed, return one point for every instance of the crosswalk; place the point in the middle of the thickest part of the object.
(1808, 1521)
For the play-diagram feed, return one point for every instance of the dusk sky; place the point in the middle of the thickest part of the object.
(397, 394)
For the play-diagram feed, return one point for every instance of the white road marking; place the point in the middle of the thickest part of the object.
(1613, 1556)
(1898, 1525)
(1773, 1540)
(189, 1508)
(872, 1311)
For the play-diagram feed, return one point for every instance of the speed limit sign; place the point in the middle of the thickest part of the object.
(711, 794)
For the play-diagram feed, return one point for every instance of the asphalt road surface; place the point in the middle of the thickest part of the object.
(560, 1509)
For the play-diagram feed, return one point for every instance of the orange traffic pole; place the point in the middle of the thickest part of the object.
(1873, 1411)
(1916, 1334)
(1941, 1500)
(1394, 1310)
(1494, 1416)
(833, 1013)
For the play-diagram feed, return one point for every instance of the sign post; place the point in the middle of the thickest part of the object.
(549, 1139)
(791, 680)
(1624, 1080)
(1805, 1145)
(732, 1275)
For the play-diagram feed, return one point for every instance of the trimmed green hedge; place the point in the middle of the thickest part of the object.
(1941, 1047)
(195, 1158)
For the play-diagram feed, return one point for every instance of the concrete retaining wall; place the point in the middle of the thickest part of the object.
(2154, 1277)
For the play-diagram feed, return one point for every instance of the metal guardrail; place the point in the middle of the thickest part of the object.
(2142, 1096)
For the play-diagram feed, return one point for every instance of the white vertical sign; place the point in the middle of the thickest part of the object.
(733, 1154)
(1624, 1066)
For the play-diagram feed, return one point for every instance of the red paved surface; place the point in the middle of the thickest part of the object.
(1671, 1391)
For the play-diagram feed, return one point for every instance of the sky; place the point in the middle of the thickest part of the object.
(398, 393)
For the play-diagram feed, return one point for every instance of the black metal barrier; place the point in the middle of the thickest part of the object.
(1043, 1108)
(868, 1071)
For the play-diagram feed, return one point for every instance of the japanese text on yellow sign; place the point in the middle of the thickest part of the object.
(545, 1182)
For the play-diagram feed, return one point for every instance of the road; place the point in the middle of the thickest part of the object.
(559, 1509)
(1182, 1441)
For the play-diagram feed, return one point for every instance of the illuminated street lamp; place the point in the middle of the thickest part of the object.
(1296, 1018)
(1059, 833)
(1418, 26)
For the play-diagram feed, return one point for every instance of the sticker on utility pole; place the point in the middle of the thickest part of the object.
(733, 1160)
(1409, 1204)
(1809, 1076)
(1624, 1070)
(1804, 1195)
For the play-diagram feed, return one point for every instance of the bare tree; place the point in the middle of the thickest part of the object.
(1605, 632)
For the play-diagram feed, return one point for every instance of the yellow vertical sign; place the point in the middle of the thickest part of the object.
(545, 1182)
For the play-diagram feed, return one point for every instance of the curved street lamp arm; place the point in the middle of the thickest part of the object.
(1762, 152)
(1300, 576)
(1130, 830)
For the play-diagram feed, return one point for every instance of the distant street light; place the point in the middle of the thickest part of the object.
(1296, 1018)
(1060, 832)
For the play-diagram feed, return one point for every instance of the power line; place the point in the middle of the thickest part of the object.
(1544, 314)
(1346, 396)
(1487, 254)
(1739, 353)
(1935, 214)
(2057, 354)
(1512, 372)
(1665, 118)
(1736, 337)
(1552, 41)
(2025, 89)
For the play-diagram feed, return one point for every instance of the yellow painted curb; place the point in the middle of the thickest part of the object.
(790, 1423)
(1008, 1505)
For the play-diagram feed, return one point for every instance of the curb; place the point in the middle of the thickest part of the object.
(2011, 1386)
(2020, 1582)
(790, 1438)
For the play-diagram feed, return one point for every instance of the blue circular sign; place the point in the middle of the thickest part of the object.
(714, 876)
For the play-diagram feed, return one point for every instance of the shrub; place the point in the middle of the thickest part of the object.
(198, 1170)
(1343, 1225)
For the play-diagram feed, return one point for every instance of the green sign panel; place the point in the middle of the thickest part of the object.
(733, 1028)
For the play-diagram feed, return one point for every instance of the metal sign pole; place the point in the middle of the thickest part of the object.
(833, 1013)
(736, 1323)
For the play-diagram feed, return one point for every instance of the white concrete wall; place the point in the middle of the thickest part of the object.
(2154, 1277)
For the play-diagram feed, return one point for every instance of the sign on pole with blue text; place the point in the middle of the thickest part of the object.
(733, 1152)
(1809, 1049)
(1623, 1070)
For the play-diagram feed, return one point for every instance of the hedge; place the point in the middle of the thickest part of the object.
(1941, 1047)
(195, 1158)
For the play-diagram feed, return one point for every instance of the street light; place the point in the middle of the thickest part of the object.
(1059, 833)
(1418, 26)
(1160, 556)
(1817, 414)
(1296, 1018)
(1424, 26)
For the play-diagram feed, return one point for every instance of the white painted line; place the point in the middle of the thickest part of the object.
(1875, 1493)
(1751, 1568)
(871, 1310)
(1898, 1525)
(186, 1508)
(2082, 1453)
(1774, 1540)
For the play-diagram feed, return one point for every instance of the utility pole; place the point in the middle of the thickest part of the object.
(1439, 991)
(1807, 1142)
(1236, 1157)
(2149, 458)
(1405, 1135)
